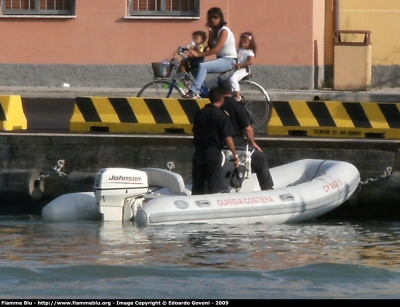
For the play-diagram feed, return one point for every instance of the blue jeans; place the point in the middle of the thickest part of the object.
(215, 66)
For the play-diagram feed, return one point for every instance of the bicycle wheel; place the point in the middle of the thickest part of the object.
(160, 89)
(257, 102)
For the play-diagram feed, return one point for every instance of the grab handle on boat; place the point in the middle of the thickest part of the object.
(286, 197)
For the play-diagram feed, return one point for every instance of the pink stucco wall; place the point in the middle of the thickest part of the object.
(285, 31)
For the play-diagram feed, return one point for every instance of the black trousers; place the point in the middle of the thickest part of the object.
(207, 171)
(259, 165)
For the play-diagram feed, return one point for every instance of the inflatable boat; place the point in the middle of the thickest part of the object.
(303, 190)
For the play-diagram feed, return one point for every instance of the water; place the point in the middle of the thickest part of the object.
(318, 259)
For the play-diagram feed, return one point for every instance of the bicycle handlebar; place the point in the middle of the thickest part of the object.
(182, 50)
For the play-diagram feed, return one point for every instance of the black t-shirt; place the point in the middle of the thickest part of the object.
(211, 127)
(238, 115)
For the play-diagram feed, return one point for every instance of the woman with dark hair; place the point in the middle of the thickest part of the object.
(221, 42)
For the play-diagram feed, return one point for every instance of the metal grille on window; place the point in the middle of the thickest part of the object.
(38, 7)
(164, 7)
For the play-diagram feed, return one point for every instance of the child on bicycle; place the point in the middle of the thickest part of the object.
(246, 52)
(199, 39)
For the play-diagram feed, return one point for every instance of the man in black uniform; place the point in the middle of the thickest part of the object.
(241, 123)
(212, 129)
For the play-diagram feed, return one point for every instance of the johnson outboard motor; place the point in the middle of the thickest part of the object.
(119, 191)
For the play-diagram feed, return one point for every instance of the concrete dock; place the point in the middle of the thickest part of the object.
(377, 94)
(48, 140)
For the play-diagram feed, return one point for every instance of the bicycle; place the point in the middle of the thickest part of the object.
(168, 82)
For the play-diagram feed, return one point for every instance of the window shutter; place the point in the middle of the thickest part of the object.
(164, 7)
(55, 5)
(20, 4)
(37, 6)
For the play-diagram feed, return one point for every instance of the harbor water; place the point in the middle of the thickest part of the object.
(319, 259)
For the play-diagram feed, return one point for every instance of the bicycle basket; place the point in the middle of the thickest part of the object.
(161, 70)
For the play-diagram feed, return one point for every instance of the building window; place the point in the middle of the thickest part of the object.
(38, 7)
(177, 8)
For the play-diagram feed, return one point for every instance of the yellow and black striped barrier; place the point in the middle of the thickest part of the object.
(335, 119)
(136, 115)
(12, 116)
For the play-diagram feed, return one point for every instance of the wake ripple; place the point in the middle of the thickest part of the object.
(313, 272)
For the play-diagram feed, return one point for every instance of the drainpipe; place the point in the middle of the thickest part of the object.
(336, 9)
(336, 27)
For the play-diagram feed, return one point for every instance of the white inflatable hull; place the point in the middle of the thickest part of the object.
(303, 190)
(72, 207)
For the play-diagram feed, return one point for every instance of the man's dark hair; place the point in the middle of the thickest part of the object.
(202, 34)
(225, 86)
(216, 94)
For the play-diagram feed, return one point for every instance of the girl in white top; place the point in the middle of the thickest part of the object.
(246, 53)
(221, 42)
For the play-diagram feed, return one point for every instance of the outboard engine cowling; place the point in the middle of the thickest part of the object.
(115, 190)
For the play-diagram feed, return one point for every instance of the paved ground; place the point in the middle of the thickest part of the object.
(377, 95)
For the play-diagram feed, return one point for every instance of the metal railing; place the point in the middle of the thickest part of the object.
(164, 7)
(37, 7)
